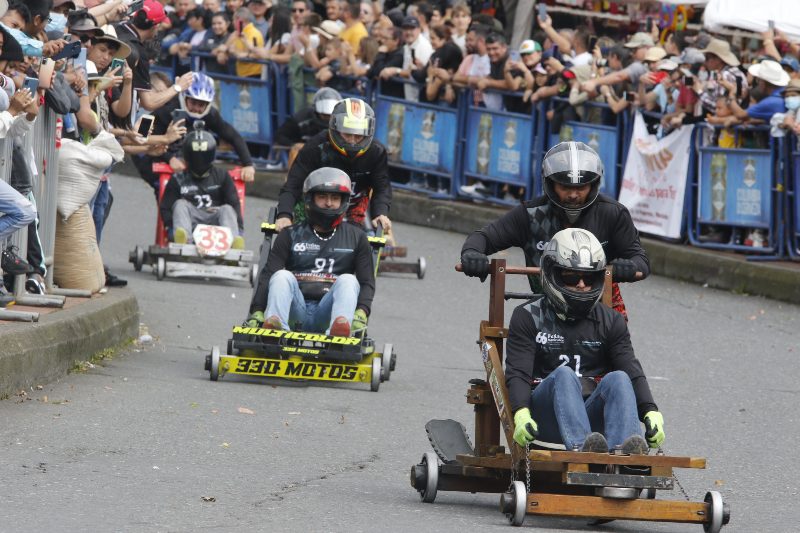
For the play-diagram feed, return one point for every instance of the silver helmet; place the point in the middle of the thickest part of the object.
(326, 180)
(573, 254)
(571, 164)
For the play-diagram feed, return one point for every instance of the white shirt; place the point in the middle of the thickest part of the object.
(422, 52)
(584, 58)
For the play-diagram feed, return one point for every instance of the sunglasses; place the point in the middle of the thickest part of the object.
(571, 278)
(298, 10)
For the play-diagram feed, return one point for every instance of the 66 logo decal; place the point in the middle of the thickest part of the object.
(212, 241)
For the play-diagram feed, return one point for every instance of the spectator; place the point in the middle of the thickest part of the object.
(278, 47)
(423, 14)
(354, 30)
(639, 44)
(326, 31)
(197, 23)
(770, 78)
(791, 65)
(388, 63)
(791, 99)
(214, 44)
(333, 11)
(497, 50)
(367, 15)
(259, 10)
(416, 54)
(442, 66)
(244, 43)
(232, 6)
(722, 65)
(358, 64)
(331, 63)
(308, 38)
(461, 17)
(476, 65)
(213, 6)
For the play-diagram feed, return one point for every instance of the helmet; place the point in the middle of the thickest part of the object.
(202, 88)
(356, 117)
(577, 250)
(571, 163)
(325, 100)
(199, 150)
(331, 180)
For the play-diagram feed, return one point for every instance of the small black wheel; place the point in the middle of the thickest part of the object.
(138, 258)
(430, 464)
(375, 380)
(421, 267)
(214, 371)
(386, 358)
(716, 512)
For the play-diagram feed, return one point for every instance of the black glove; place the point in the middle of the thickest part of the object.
(475, 264)
(624, 270)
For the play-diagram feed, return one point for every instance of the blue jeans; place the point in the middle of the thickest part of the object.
(98, 205)
(18, 211)
(286, 301)
(563, 416)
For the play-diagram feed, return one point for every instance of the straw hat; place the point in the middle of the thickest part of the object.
(655, 53)
(721, 49)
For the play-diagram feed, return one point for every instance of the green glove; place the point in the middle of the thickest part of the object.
(359, 320)
(255, 320)
(525, 429)
(654, 429)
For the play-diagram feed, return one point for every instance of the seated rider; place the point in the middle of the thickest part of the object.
(571, 372)
(320, 271)
(308, 122)
(349, 145)
(202, 194)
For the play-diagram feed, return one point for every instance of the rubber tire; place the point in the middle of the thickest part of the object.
(431, 462)
(253, 274)
(520, 503)
(375, 379)
(161, 268)
(138, 259)
(386, 356)
(214, 372)
(421, 267)
(716, 512)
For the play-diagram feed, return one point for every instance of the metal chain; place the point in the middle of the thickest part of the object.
(661, 451)
(528, 467)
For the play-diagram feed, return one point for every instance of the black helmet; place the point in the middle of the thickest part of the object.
(199, 150)
(572, 163)
(330, 180)
(575, 250)
(356, 117)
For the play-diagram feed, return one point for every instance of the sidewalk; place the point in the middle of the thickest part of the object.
(34, 353)
(779, 280)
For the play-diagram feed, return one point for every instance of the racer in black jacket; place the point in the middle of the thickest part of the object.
(320, 271)
(570, 365)
(204, 194)
(348, 145)
(571, 172)
(309, 121)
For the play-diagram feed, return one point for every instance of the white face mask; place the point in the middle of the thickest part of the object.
(792, 102)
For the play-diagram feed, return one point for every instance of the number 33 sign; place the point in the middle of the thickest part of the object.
(213, 241)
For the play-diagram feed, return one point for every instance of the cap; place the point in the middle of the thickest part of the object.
(410, 22)
(155, 11)
(691, 56)
(721, 49)
(791, 62)
(640, 39)
(529, 46)
(328, 29)
(667, 64)
(655, 53)
(792, 87)
(539, 69)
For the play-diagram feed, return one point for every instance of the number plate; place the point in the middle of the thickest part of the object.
(212, 241)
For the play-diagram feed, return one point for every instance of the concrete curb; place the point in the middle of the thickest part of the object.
(41, 352)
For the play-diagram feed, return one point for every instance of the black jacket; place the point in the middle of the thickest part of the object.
(300, 127)
(382, 61)
(369, 173)
(214, 123)
(215, 190)
(531, 225)
(317, 263)
(539, 342)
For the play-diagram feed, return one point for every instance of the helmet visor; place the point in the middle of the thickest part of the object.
(570, 279)
(353, 125)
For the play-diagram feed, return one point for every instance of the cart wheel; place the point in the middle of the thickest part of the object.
(214, 363)
(375, 382)
(386, 358)
(393, 362)
(716, 512)
(161, 268)
(430, 463)
(253, 275)
(138, 259)
(515, 509)
(421, 265)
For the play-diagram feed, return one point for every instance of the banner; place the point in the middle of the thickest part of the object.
(246, 106)
(654, 181)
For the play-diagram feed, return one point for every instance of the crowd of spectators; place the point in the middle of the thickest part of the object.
(424, 51)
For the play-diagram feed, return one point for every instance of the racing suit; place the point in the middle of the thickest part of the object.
(554, 367)
(369, 174)
(188, 201)
(531, 225)
(309, 268)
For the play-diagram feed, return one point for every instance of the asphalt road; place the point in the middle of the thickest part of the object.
(137, 443)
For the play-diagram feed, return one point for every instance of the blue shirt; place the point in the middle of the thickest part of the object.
(767, 107)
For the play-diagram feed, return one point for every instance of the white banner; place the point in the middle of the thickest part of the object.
(754, 16)
(654, 181)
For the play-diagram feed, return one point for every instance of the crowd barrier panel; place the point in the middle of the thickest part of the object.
(607, 140)
(735, 195)
(792, 204)
(499, 147)
(422, 138)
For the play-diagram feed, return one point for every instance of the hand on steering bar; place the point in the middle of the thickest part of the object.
(475, 264)
(624, 270)
(282, 222)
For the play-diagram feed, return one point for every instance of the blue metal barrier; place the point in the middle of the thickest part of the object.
(606, 140)
(421, 138)
(736, 195)
(499, 148)
(792, 204)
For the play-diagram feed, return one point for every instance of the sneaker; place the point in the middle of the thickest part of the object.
(255, 319)
(340, 327)
(114, 281)
(35, 284)
(477, 189)
(14, 264)
(274, 166)
(238, 243)
(595, 443)
(273, 322)
(181, 236)
(635, 445)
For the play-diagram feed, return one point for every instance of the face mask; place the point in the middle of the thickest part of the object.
(58, 22)
(792, 102)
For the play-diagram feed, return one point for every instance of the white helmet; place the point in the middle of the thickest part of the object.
(571, 254)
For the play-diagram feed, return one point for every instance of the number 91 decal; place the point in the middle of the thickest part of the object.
(213, 241)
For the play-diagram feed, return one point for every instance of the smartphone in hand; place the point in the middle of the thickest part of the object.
(46, 72)
(32, 84)
(145, 125)
(542, 10)
(116, 63)
(134, 7)
(178, 115)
